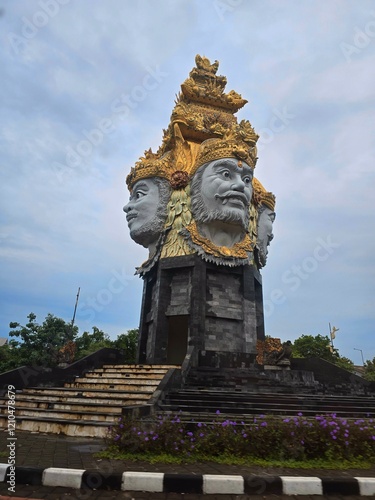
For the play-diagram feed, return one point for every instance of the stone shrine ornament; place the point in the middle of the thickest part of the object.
(197, 194)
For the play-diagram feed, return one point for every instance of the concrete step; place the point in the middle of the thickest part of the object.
(233, 400)
(72, 404)
(322, 407)
(258, 410)
(125, 375)
(90, 393)
(99, 416)
(266, 397)
(150, 388)
(111, 381)
(89, 404)
(194, 400)
(140, 367)
(145, 371)
(76, 428)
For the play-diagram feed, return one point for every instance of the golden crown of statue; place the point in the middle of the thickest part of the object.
(238, 142)
(263, 197)
(202, 128)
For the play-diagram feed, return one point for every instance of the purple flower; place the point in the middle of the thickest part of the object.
(217, 412)
(263, 424)
(299, 414)
(200, 424)
(286, 420)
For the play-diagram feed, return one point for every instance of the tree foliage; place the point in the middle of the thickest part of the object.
(56, 341)
(40, 344)
(370, 370)
(128, 342)
(320, 346)
(88, 343)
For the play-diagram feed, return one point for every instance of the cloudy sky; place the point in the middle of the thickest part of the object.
(88, 85)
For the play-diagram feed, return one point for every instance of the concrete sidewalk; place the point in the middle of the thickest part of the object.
(77, 467)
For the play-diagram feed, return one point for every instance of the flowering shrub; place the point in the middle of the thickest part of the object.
(292, 438)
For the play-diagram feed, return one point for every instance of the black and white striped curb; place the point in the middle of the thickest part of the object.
(159, 482)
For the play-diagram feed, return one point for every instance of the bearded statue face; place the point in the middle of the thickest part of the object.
(266, 219)
(221, 190)
(147, 210)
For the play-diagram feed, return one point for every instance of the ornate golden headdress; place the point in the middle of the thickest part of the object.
(172, 165)
(263, 197)
(238, 142)
(203, 111)
(149, 165)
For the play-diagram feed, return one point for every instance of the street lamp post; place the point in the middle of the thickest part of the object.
(363, 361)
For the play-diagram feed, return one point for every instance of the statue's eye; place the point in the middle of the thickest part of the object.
(247, 180)
(138, 195)
(226, 174)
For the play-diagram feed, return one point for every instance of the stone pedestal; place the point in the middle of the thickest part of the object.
(188, 302)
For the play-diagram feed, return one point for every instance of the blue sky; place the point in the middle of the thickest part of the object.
(87, 86)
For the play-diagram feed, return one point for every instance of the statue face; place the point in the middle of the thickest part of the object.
(145, 212)
(222, 192)
(265, 236)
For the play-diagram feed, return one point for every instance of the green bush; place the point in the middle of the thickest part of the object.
(271, 438)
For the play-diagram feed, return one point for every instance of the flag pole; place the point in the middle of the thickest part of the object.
(75, 309)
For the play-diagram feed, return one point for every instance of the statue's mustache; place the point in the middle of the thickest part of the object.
(232, 194)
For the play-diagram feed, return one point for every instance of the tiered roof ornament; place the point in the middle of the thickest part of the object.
(203, 128)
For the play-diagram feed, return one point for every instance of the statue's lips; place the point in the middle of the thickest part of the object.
(130, 217)
(237, 199)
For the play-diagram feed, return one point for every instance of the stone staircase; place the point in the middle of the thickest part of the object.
(88, 405)
(198, 404)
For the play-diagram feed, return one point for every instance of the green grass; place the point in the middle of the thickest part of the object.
(227, 459)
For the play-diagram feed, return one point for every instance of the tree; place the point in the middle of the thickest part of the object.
(88, 343)
(9, 357)
(370, 370)
(41, 344)
(345, 363)
(128, 342)
(319, 346)
(55, 341)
